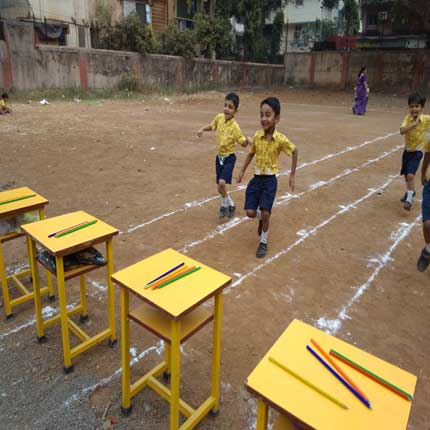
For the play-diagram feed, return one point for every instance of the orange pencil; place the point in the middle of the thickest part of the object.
(332, 362)
(185, 269)
(175, 272)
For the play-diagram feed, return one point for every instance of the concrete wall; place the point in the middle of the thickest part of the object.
(37, 67)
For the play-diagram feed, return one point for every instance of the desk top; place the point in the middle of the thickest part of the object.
(179, 297)
(289, 395)
(96, 233)
(20, 206)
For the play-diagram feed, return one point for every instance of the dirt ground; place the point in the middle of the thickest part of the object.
(341, 256)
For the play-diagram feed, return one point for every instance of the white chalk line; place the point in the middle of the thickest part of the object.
(284, 199)
(333, 326)
(306, 234)
(202, 202)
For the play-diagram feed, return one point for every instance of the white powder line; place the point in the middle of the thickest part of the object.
(306, 234)
(284, 199)
(199, 203)
(333, 326)
(158, 348)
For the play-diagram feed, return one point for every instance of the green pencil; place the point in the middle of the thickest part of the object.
(17, 199)
(76, 228)
(178, 277)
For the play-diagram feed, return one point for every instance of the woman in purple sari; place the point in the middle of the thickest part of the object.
(361, 93)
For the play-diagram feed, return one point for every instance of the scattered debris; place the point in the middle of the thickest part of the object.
(44, 102)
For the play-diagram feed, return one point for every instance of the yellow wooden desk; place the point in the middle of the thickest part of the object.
(174, 314)
(308, 409)
(99, 232)
(9, 210)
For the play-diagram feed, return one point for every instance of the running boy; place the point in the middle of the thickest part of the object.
(3, 104)
(228, 133)
(267, 146)
(414, 127)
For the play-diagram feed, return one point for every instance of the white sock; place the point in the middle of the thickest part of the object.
(258, 213)
(263, 238)
(230, 200)
(409, 195)
(428, 247)
(224, 202)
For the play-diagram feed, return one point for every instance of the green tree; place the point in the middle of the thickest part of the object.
(277, 31)
(349, 13)
(176, 42)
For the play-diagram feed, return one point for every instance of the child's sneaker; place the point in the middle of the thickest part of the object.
(222, 212)
(261, 250)
(260, 227)
(407, 205)
(403, 199)
(423, 261)
(231, 211)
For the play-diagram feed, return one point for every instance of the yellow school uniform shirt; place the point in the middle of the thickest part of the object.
(2, 104)
(267, 153)
(419, 135)
(228, 133)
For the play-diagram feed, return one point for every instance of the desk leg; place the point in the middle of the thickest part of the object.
(167, 356)
(262, 415)
(125, 352)
(175, 369)
(82, 288)
(31, 245)
(111, 292)
(63, 315)
(5, 289)
(216, 354)
(49, 283)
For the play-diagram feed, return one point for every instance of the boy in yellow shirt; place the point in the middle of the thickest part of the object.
(228, 133)
(414, 128)
(267, 145)
(4, 109)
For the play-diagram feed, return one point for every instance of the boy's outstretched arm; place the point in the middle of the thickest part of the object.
(206, 128)
(248, 159)
(293, 168)
(424, 167)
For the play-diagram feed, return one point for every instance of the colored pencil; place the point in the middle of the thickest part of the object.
(172, 276)
(73, 229)
(67, 229)
(334, 373)
(372, 375)
(308, 383)
(165, 274)
(343, 374)
(4, 202)
(179, 277)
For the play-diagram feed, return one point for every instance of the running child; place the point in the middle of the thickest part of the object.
(414, 127)
(267, 145)
(228, 133)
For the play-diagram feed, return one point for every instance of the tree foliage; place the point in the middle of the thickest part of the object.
(350, 18)
(415, 12)
(176, 42)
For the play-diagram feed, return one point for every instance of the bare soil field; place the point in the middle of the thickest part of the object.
(342, 251)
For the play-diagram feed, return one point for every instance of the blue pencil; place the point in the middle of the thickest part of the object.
(328, 367)
(165, 274)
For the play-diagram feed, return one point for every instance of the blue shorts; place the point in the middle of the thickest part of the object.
(410, 162)
(224, 168)
(425, 205)
(261, 192)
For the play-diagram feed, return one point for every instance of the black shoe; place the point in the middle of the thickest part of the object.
(222, 212)
(403, 199)
(407, 205)
(231, 211)
(260, 227)
(423, 261)
(261, 250)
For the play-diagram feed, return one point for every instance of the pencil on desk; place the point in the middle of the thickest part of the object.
(4, 202)
(371, 375)
(171, 276)
(339, 378)
(73, 229)
(164, 274)
(67, 229)
(333, 363)
(192, 270)
(308, 383)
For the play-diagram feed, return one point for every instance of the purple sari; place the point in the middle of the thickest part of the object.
(360, 104)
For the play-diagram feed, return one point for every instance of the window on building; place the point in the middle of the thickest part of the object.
(82, 36)
(2, 37)
(298, 32)
(143, 9)
(299, 2)
(372, 20)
